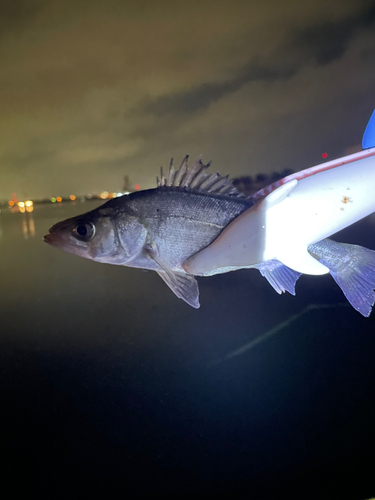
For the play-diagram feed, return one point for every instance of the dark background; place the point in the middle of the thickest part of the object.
(111, 386)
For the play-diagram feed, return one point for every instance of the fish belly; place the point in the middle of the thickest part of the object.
(319, 206)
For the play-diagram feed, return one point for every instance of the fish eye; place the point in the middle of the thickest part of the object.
(84, 231)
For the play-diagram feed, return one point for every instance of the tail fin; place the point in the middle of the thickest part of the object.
(353, 269)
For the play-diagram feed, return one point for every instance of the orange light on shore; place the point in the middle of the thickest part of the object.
(58, 199)
(11, 203)
(72, 197)
(104, 195)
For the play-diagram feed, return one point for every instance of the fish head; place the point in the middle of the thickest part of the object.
(94, 236)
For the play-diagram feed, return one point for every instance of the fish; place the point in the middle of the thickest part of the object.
(198, 224)
(291, 220)
(157, 229)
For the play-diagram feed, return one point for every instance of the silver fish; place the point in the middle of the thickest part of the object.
(157, 229)
(160, 229)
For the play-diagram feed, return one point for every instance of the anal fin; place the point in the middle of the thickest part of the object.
(279, 276)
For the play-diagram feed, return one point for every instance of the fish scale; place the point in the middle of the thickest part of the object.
(181, 222)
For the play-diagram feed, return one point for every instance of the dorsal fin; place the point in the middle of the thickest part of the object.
(195, 178)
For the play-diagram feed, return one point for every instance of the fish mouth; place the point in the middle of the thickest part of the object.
(50, 239)
(53, 239)
(62, 242)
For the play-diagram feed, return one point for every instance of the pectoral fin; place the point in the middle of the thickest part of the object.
(182, 285)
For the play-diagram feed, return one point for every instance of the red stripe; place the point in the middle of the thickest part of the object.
(262, 193)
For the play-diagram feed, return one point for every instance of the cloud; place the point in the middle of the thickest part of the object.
(328, 40)
(202, 96)
(322, 42)
(90, 91)
(16, 14)
(93, 154)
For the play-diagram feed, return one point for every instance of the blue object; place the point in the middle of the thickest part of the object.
(368, 140)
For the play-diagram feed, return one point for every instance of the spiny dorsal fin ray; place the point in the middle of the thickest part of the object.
(200, 174)
(172, 173)
(181, 172)
(195, 178)
(193, 172)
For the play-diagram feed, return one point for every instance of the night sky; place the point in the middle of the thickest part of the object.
(91, 91)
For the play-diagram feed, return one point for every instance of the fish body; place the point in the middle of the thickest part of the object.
(173, 223)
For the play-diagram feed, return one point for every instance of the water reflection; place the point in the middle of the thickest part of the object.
(28, 225)
(23, 209)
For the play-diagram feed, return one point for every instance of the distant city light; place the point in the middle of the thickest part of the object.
(324, 155)
(137, 187)
(27, 205)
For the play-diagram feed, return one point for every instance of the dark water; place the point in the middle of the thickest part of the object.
(112, 387)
